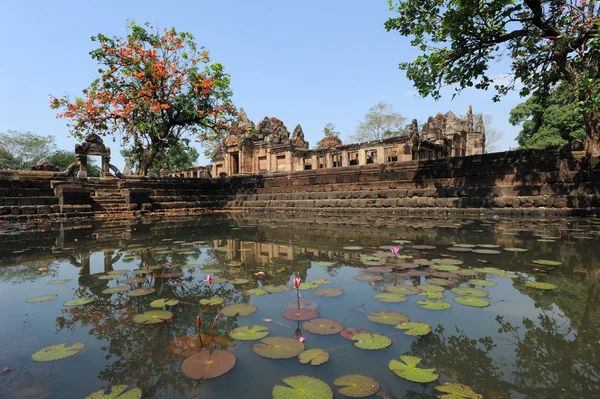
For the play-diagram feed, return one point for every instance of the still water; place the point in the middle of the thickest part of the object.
(503, 337)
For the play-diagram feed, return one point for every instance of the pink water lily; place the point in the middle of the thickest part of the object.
(297, 282)
(395, 250)
(301, 339)
(208, 279)
(267, 320)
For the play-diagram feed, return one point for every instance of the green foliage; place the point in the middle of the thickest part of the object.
(380, 122)
(330, 130)
(22, 150)
(549, 121)
(63, 159)
(179, 156)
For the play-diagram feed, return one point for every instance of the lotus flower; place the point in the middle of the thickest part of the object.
(297, 282)
(267, 320)
(301, 339)
(208, 279)
(395, 250)
(197, 321)
(496, 217)
(298, 335)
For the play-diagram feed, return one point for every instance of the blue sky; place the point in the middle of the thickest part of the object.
(309, 62)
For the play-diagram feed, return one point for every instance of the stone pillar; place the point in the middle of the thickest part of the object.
(315, 162)
(345, 156)
(105, 168)
(328, 160)
(82, 161)
(362, 157)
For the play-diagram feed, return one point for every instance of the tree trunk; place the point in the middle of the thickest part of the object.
(592, 128)
(145, 163)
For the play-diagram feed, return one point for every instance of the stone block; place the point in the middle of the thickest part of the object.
(43, 209)
(29, 210)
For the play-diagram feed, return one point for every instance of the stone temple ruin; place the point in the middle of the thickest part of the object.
(268, 146)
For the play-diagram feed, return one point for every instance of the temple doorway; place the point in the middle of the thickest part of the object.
(235, 163)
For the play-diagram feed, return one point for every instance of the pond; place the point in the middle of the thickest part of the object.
(387, 307)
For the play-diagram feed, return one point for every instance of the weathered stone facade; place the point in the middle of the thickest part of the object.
(268, 147)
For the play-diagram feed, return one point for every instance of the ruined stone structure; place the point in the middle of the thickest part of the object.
(268, 147)
(92, 145)
(201, 172)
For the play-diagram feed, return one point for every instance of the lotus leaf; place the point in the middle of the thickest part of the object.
(117, 392)
(302, 387)
(434, 305)
(421, 247)
(413, 273)
(348, 333)
(161, 303)
(133, 280)
(404, 256)
(321, 281)
(486, 251)
(508, 275)
(56, 282)
(389, 247)
(240, 309)
(444, 275)
(415, 328)
(168, 275)
(246, 333)
(431, 288)
(445, 268)
(368, 277)
(473, 301)
(516, 249)
(278, 347)
(42, 298)
(482, 283)
(379, 269)
(544, 262)
(468, 273)
(356, 385)
(459, 249)
(439, 281)
(239, 281)
(371, 341)
(323, 264)
(212, 301)
(488, 245)
(323, 326)
(141, 291)
(465, 245)
(273, 289)
(448, 261)
(211, 270)
(388, 317)
(401, 242)
(108, 277)
(328, 292)
(78, 302)
(388, 297)
(540, 286)
(256, 291)
(206, 365)
(353, 248)
(432, 294)
(152, 317)
(402, 289)
(488, 270)
(468, 291)
(57, 352)
(456, 391)
(406, 265)
(300, 314)
(191, 266)
(218, 280)
(309, 285)
(407, 368)
(316, 357)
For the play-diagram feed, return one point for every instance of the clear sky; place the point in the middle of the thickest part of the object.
(309, 62)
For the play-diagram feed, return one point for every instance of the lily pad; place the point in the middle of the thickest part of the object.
(444, 275)
(57, 352)
(56, 282)
(240, 309)
(448, 261)
(152, 317)
(371, 341)
(465, 245)
(321, 281)
(468, 291)
(300, 314)
(540, 286)
(423, 247)
(42, 298)
(108, 277)
(388, 297)
(191, 266)
(439, 281)
(482, 283)
(246, 333)
(137, 280)
(214, 301)
(445, 268)
(315, 357)
(388, 317)
(348, 333)
(141, 291)
(473, 301)
(514, 249)
(407, 368)
(356, 385)
(302, 387)
(168, 275)
(218, 280)
(459, 249)
(323, 326)
(432, 294)
(353, 248)
(379, 269)
(485, 251)
(78, 302)
(329, 292)
(453, 390)
(273, 289)
(211, 270)
(434, 305)
(368, 277)
(488, 270)
(402, 289)
(309, 285)
(256, 291)
(239, 281)
(278, 347)
(117, 392)
(467, 273)
(431, 288)
(415, 328)
(206, 365)
(488, 245)
(161, 303)
(545, 262)
(413, 273)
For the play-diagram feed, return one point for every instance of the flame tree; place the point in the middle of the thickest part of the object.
(154, 89)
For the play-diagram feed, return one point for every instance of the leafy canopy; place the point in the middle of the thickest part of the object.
(380, 123)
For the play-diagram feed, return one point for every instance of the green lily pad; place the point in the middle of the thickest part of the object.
(212, 301)
(448, 261)
(206, 365)
(300, 314)
(141, 292)
(278, 347)
(545, 262)
(109, 277)
(508, 275)
(246, 333)
(274, 289)
(473, 301)
(456, 391)
(302, 387)
(133, 280)
(117, 392)
(432, 294)
(356, 385)
(323, 264)
(161, 303)
(57, 352)
(402, 289)
(42, 298)
(241, 309)
(488, 270)
(115, 290)
(211, 270)
(56, 282)
(439, 281)
(415, 328)
(445, 268)
(488, 245)
(256, 291)
(388, 297)
(323, 326)
(482, 283)
(485, 251)
(368, 277)
(328, 292)
(239, 281)
(191, 266)
(388, 317)
(540, 286)
(309, 285)
(218, 280)
(152, 317)
(78, 302)
(315, 357)
(353, 248)
(434, 305)
(321, 281)
(467, 273)
(465, 245)
(514, 249)
(431, 288)
(407, 368)
(370, 341)
(468, 291)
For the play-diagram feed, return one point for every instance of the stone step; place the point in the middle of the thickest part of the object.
(16, 201)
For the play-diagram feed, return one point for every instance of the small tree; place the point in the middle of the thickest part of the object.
(380, 122)
(63, 159)
(330, 130)
(154, 88)
(493, 136)
(178, 156)
(21, 150)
